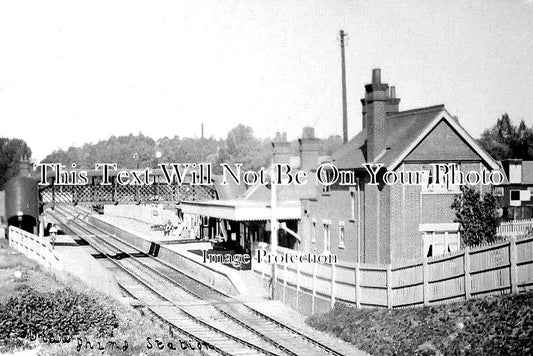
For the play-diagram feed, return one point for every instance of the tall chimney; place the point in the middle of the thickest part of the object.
(24, 167)
(281, 149)
(308, 150)
(376, 76)
(376, 96)
(393, 103)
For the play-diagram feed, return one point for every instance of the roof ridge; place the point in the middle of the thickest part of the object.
(419, 110)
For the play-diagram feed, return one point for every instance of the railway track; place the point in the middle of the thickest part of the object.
(197, 310)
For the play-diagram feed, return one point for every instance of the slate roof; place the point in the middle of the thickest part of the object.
(283, 192)
(260, 192)
(402, 129)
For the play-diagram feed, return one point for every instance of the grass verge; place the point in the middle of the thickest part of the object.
(501, 325)
(73, 320)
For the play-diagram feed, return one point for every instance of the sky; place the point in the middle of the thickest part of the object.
(74, 72)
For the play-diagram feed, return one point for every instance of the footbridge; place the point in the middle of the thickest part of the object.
(94, 192)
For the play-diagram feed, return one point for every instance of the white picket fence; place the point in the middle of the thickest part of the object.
(34, 247)
(515, 228)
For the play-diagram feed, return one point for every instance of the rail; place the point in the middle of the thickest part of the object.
(220, 300)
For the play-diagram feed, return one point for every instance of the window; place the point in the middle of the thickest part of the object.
(341, 234)
(313, 231)
(352, 204)
(326, 189)
(327, 237)
(497, 191)
(445, 180)
(515, 198)
(518, 196)
(437, 243)
(453, 168)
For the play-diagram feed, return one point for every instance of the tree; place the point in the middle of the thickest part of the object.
(478, 218)
(11, 151)
(240, 146)
(504, 140)
(243, 147)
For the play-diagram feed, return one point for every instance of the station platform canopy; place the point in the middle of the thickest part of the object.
(243, 210)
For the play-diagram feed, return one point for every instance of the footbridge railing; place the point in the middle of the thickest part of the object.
(124, 194)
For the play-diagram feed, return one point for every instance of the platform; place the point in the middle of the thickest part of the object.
(77, 260)
(248, 287)
(172, 251)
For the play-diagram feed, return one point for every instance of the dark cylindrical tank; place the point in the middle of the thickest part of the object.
(22, 203)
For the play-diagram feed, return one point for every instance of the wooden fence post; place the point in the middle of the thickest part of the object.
(389, 286)
(358, 285)
(466, 268)
(513, 265)
(425, 279)
(333, 283)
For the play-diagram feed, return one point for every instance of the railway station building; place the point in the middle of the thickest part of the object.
(364, 222)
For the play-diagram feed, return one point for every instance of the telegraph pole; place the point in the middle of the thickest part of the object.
(343, 34)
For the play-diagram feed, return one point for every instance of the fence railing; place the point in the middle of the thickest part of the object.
(35, 247)
(514, 228)
(499, 268)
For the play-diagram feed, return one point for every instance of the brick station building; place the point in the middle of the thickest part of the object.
(393, 223)
(362, 222)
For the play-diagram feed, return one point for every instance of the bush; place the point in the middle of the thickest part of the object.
(485, 326)
(477, 217)
(61, 314)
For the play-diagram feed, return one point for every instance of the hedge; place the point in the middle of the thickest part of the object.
(60, 315)
(500, 325)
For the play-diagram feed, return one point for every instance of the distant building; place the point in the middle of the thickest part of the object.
(515, 195)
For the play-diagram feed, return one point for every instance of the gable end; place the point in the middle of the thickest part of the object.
(443, 143)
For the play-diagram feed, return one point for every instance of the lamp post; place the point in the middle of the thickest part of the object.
(136, 158)
(53, 235)
(273, 228)
(20, 214)
(157, 152)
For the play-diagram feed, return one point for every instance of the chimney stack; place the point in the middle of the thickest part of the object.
(376, 100)
(24, 167)
(376, 76)
(393, 103)
(281, 149)
(308, 149)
